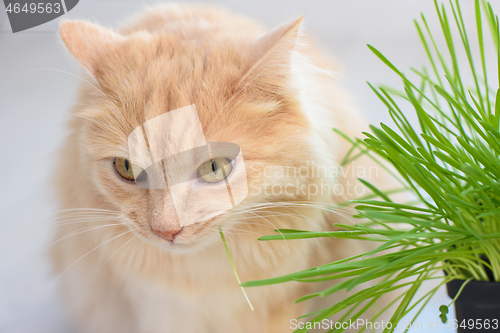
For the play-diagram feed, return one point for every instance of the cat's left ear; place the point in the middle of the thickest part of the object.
(272, 56)
(88, 42)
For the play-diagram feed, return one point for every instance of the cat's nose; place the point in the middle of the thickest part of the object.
(168, 234)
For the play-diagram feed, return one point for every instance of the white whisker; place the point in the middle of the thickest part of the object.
(95, 275)
(86, 254)
(81, 232)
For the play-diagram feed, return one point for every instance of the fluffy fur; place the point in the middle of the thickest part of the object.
(267, 91)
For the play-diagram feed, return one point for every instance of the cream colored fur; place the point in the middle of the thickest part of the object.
(267, 91)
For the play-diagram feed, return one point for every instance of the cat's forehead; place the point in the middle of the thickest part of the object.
(165, 61)
(164, 74)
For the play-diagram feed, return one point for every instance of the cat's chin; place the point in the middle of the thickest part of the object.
(179, 247)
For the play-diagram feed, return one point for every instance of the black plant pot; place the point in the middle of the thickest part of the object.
(478, 306)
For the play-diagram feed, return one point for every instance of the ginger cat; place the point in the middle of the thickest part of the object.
(138, 246)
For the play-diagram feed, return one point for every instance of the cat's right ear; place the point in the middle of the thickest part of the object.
(87, 42)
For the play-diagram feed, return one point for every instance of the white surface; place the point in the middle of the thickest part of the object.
(34, 102)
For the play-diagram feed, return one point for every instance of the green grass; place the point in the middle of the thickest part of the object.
(449, 162)
(223, 238)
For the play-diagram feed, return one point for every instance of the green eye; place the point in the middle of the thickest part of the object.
(215, 170)
(127, 170)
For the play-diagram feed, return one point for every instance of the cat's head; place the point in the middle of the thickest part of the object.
(173, 123)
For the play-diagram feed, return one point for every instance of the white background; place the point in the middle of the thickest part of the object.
(36, 94)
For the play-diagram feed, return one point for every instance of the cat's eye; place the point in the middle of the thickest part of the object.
(215, 170)
(127, 170)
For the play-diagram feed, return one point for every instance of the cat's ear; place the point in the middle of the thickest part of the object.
(272, 55)
(87, 42)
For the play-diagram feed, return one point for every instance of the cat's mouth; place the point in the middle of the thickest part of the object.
(176, 246)
(185, 239)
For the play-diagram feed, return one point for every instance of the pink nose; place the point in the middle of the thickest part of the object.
(168, 234)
